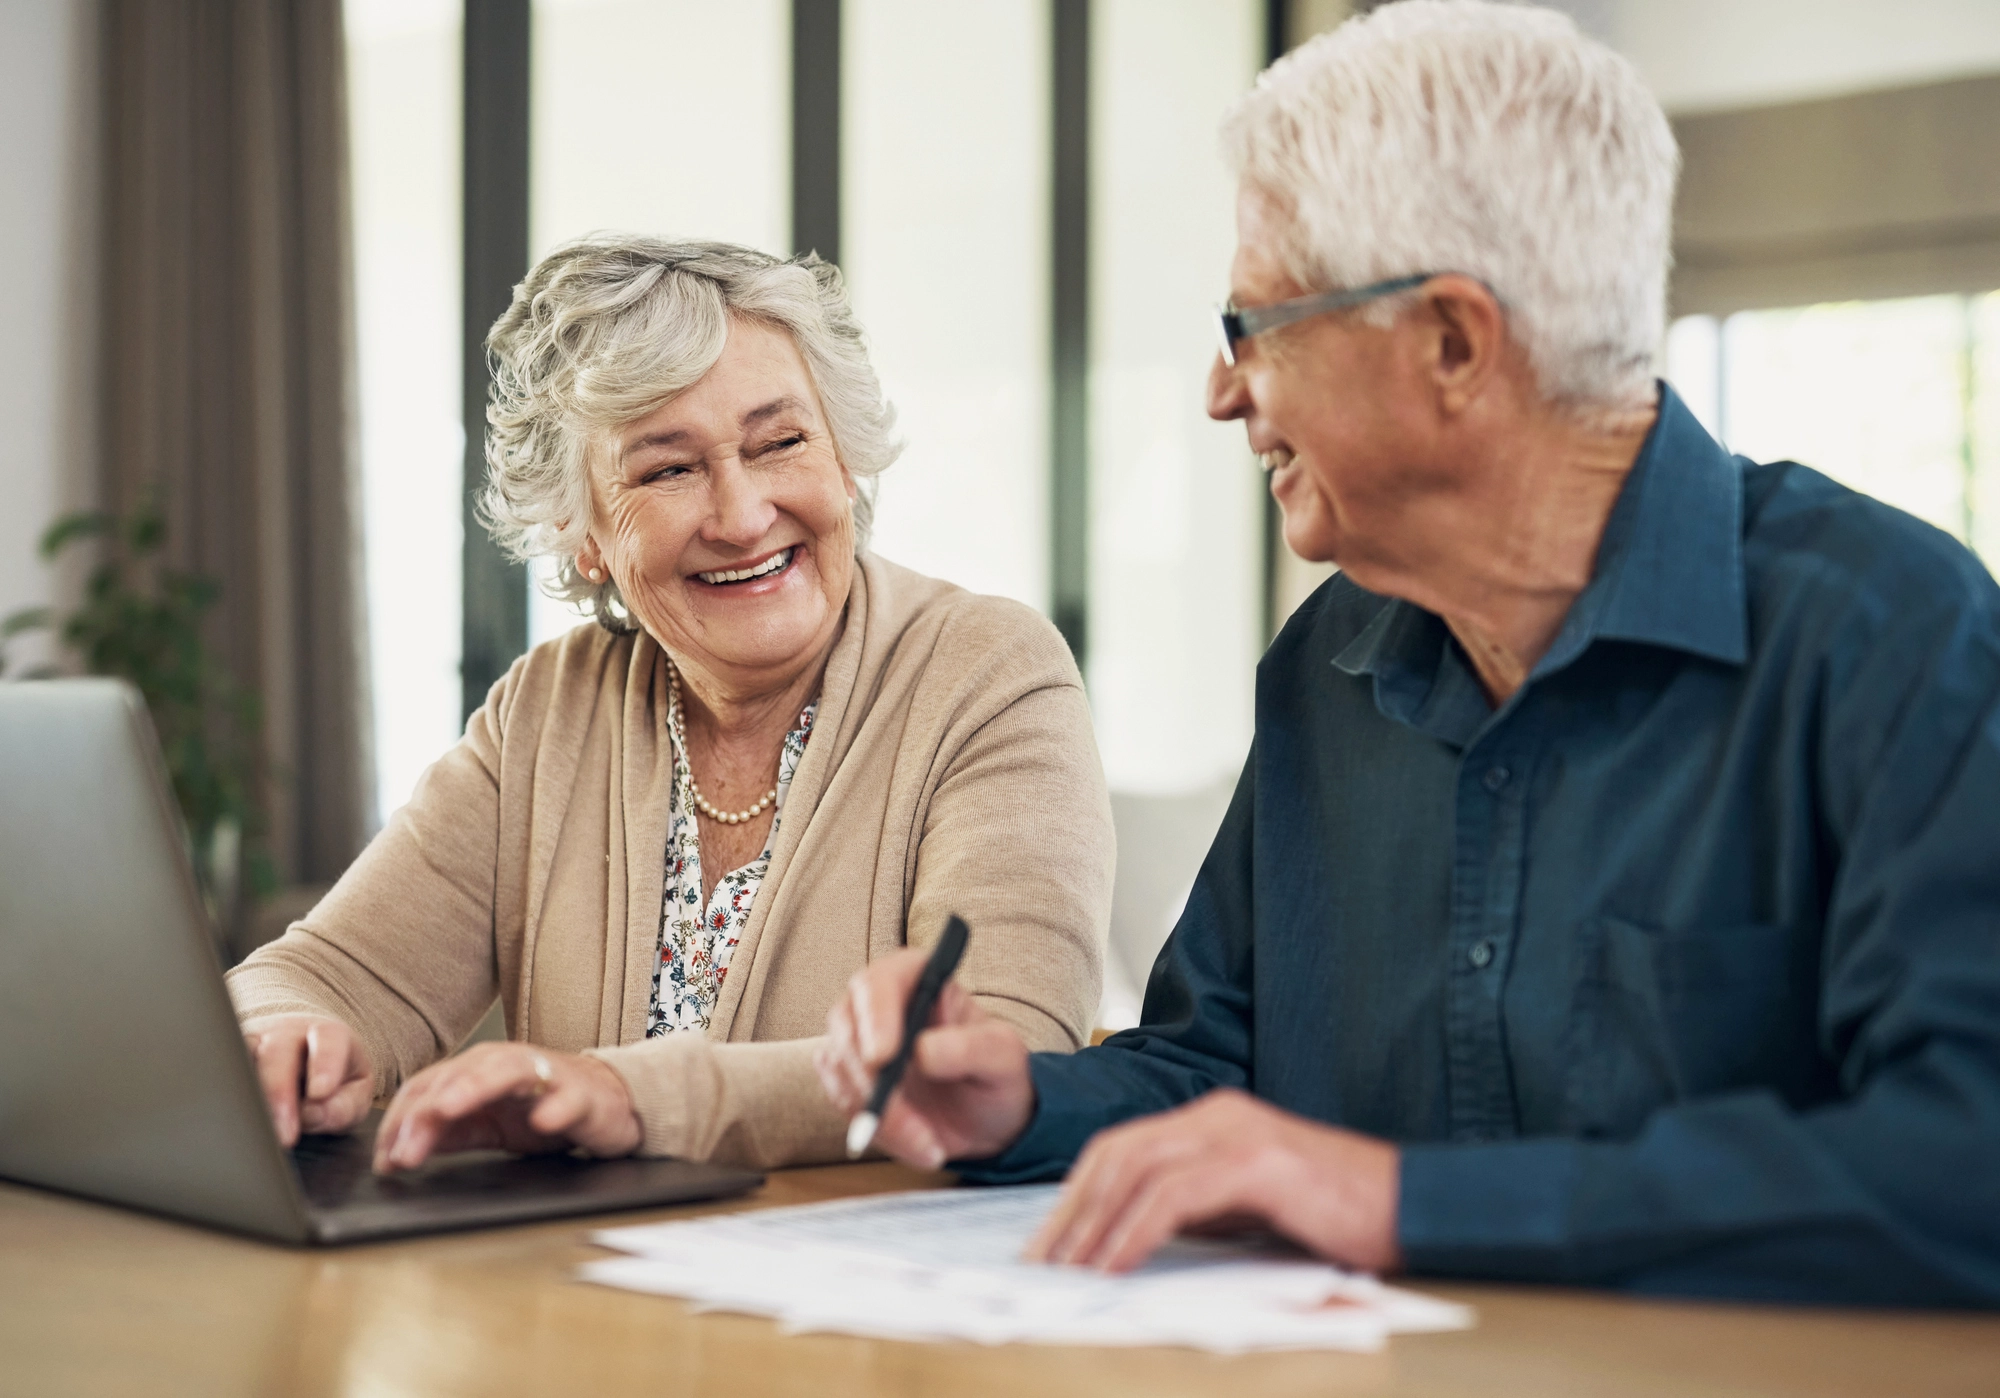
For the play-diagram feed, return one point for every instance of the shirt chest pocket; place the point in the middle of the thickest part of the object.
(1664, 1014)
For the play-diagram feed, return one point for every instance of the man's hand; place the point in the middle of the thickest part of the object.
(966, 1094)
(314, 1072)
(508, 1097)
(1225, 1156)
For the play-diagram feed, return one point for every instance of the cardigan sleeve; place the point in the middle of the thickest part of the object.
(1016, 836)
(411, 988)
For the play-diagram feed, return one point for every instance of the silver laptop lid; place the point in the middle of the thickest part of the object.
(122, 1074)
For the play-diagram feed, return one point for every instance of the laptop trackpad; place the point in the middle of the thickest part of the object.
(349, 1202)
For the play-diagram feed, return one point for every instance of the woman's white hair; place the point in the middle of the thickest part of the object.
(606, 329)
(1483, 138)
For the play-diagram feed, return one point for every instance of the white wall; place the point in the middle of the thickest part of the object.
(47, 198)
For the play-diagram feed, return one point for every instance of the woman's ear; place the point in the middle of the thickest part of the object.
(590, 562)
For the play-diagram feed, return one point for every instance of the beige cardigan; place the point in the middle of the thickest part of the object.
(951, 769)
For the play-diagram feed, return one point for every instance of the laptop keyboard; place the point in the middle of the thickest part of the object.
(349, 1201)
(337, 1171)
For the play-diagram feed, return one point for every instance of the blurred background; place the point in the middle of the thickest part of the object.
(253, 245)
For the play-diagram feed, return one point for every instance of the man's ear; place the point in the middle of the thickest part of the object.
(1466, 341)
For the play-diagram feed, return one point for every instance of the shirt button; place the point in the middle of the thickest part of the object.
(1481, 955)
(1496, 777)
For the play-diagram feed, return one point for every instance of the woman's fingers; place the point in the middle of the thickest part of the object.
(277, 1050)
(307, 1068)
(511, 1096)
(341, 1111)
(331, 1059)
(448, 1093)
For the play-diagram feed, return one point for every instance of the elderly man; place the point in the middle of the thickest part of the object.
(1612, 894)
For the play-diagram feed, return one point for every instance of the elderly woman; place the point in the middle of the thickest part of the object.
(668, 840)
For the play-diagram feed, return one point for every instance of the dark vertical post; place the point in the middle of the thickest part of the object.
(496, 257)
(1069, 415)
(816, 127)
(1277, 42)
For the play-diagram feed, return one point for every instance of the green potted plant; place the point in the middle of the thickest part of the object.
(141, 621)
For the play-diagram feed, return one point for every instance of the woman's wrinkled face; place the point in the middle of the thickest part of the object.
(725, 517)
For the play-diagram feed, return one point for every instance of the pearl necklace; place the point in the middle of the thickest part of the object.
(679, 731)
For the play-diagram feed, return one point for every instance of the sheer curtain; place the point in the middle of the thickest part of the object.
(226, 381)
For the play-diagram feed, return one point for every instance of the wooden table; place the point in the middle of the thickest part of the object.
(95, 1300)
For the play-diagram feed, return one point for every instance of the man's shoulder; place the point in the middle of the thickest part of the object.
(1814, 548)
(1323, 625)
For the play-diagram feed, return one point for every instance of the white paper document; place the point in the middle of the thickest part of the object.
(944, 1265)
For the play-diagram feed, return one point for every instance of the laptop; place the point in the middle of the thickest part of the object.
(123, 1076)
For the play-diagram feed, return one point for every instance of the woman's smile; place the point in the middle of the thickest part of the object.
(767, 568)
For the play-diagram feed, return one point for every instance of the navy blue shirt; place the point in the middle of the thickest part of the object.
(1678, 971)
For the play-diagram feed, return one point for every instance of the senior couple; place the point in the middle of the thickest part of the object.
(1612, 892)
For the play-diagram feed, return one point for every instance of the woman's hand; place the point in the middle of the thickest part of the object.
(508, 1097)
(966, 1094)
(319, 1055)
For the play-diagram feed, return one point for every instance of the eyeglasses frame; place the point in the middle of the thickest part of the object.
(1234, 324)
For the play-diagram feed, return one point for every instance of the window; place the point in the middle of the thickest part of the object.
(945, 243)
(1900, 399)
(404, 64)
(1176, 614)
(668, 117)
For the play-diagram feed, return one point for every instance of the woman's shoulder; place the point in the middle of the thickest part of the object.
(573, 670)
(950, 624)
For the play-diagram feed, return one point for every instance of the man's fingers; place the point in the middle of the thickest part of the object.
(956, 1052)
(1167, 1201)
(878, 994)
(954, 1006)
(830, 1080)
(844, 1058)
(1114, 1167)
(1077, 1220)
(906, 1134)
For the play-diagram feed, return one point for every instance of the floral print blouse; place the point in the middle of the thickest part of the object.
(696, 942)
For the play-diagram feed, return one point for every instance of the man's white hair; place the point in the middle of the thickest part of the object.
(1484, 138)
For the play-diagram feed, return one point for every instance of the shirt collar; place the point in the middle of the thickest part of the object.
(1669, 571)
(1670, 565)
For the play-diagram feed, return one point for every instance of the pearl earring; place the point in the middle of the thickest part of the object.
(596, 575)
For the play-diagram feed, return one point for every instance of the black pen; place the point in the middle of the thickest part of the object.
(944, 960)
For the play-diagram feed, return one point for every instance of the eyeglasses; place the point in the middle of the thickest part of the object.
(1234, 324)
